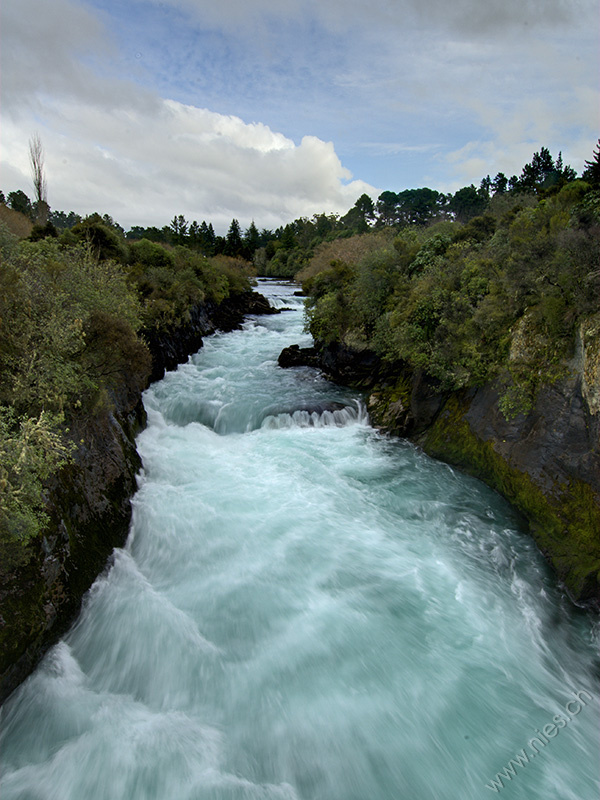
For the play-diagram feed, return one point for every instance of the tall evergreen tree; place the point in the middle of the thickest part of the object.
(387, 208)
(467, 203)
(193, 235)
(251, 241)
(500, 183)
(179, 228)
(591, 173)
(233, 240)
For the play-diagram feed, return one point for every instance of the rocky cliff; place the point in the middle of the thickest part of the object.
(546, 462)
(89, 501)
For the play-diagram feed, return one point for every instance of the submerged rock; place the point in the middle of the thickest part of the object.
(296, 356)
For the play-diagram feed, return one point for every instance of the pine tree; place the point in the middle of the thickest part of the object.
(591, 173)
(233, 240)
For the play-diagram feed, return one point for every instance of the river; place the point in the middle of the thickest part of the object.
(306, 610)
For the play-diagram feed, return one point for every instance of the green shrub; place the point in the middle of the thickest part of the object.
(51, 297)
(499, 296)
(31, 449)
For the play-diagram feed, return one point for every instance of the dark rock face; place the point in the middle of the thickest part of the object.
(90, 513)
(89, 505)
(556, 443)
(345, 365)
(339, 362)
(255, 303)
(173, 346)
(547, 462)
(296, 356)
(405, 405)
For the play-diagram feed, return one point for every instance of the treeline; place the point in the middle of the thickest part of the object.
(299, 242)
(74, 309)
(286, 250)
(493, 292)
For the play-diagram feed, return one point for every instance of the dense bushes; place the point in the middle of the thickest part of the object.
(68, 327)
(58, 304)
(72, 314)
(171, 281)
(31, 449)
(498, 296)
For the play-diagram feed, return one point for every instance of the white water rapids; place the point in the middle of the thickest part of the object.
(305, 610)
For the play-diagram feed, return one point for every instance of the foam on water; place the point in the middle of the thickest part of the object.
(305, 610)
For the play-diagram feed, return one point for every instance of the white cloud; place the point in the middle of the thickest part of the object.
(143, 169)
(39, 44)
(399, 85)
(115, 148)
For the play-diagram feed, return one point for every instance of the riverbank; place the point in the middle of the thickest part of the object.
(546, 462)
(89, 499)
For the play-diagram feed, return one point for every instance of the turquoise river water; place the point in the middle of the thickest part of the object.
(307, 610)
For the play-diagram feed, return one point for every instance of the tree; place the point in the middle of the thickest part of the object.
(485, 186)
(467, 203)
(110, 223)
(499, 184)
(179, 228)
(62, 221)
(19, 201)
(365, 205)
(566, 173)
(359, 216)
(107, 241)
(288, 238)
(323, 224)
(233, 240)
(591, 173)
(36, 161)
(251, 241)
(135, 232)
(539, 171)
(193, 235)
(419, 206)
(386, 208)
(543, 174)
(42, 232)
(207, 238)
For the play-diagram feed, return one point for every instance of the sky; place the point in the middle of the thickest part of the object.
(269, 110)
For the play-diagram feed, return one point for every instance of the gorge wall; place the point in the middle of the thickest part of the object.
(546, 462)
(89, 501)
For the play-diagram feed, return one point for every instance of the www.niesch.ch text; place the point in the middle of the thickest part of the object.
(542, 739)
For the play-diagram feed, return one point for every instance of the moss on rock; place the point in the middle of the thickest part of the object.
(389, 406)
(565, 520)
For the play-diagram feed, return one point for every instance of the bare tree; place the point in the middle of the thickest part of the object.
(36, 160)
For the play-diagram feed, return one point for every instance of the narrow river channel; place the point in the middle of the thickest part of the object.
(306, 610)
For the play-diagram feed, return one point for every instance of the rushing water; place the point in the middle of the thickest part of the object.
(305, 609)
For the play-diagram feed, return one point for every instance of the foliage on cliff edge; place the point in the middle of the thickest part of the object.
(71, 314)
(500, 296)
